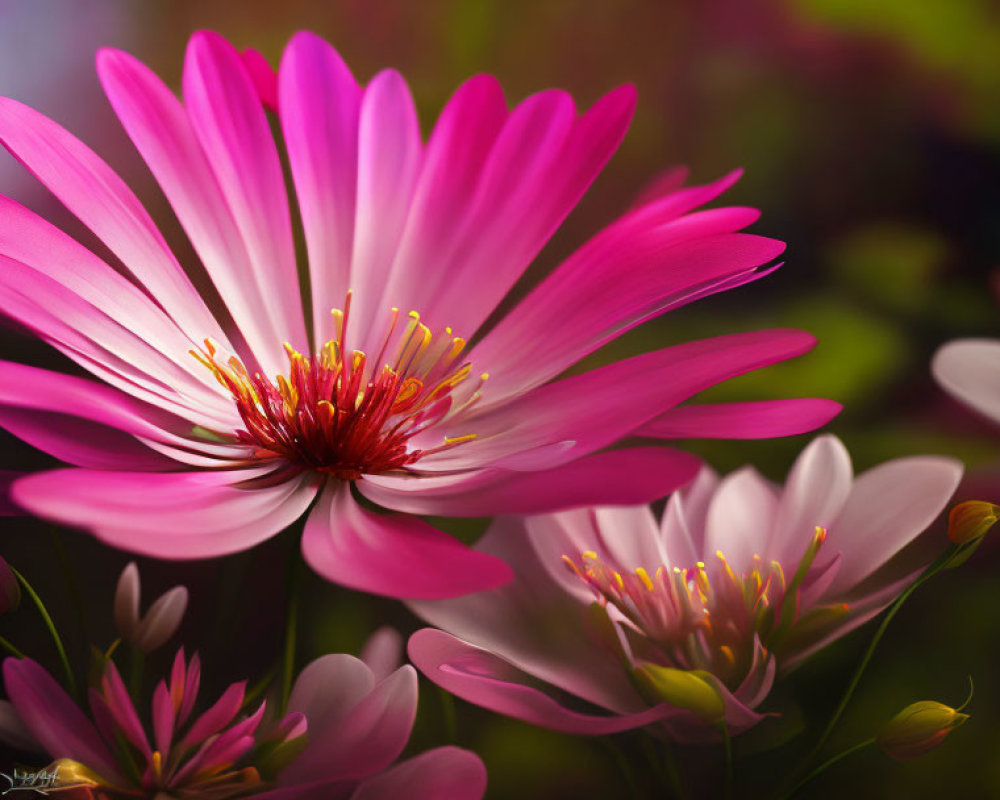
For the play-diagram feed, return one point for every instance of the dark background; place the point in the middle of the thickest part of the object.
(869, 133)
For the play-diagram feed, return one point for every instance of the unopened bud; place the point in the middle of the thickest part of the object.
(692, 690)
(971, 520)
(151, 631)
(10, 589)
(918, 729)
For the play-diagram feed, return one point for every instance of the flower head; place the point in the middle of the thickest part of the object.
(739, 582)
(214, 428)
(970, 521)
(346, 724)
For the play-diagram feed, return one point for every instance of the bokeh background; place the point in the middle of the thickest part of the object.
(870, 136)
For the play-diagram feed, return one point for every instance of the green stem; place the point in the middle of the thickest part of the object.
(673, 771)
(135, 665)
(70, 680)
(934, 568)
(618, 756)
(11, 649)
(727, 750)
(291, 630)
(448, 711)
(826, 765)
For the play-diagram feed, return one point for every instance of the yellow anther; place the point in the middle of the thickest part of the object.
(644, 577)
(590, 554)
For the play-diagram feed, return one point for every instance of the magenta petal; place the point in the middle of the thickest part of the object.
(445, 773)
(617, 477)
(320, 102)
(765, 419)
(230, 123)
(218, 716)
(367, 738)
(485, 679)
(391, 554)
(170, 514)
(596, 408)
(263, 76)
(102, 201)
(53, 719)
(383, 652)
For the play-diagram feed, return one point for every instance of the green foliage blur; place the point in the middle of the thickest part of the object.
(870, 136)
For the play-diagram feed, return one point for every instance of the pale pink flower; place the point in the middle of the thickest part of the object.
(969, 370)
(741, 578)
(344, 728)
(148, 631)
(216, 425)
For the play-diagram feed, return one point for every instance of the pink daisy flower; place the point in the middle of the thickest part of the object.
(738, 582)
(222, 415)
(348, 722)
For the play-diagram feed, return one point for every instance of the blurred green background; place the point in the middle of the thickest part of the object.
(870, 135)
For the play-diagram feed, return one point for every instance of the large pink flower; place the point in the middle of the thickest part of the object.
(347, 723)
(218, 424)
(741, 579)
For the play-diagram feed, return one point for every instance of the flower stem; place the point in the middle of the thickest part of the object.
(11, 649)
(70, 680)
(826, 765)
(618, 756)
(291, 630)
(727, 751)
(448, 712)
(934, 568)
(673, 771)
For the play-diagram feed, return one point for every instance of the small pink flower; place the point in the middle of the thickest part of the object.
(151, 630)
(214, 426)
(344, 729)
(739, 581)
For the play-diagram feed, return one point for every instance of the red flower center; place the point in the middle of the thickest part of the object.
(342, 413)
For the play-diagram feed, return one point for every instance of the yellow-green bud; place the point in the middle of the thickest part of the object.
(693, 690)
(918, 729)
(971, 520)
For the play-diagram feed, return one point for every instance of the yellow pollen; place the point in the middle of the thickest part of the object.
(644, 577)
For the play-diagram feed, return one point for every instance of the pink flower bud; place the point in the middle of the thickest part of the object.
(160, 622)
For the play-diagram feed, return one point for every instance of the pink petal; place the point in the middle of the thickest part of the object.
(740, 518)
(597, 408)
(888, 507)
(106, 348)
(159, 126)
(485, 679)
(453, 162)
(84, 422)
(102, 202)
(383, 652)
(368, 738)
(389, 155)
(969, 369)
(169, 515)
(164, 717)
(320, 102)
(325, 692)
(817, 486)
(763, 419)
(616, 477)
(539, 622)
(263, 76)
(233, 130)
(53, 719)
(637, 268)
(162, 619)
(542, 162)
(216, 717)
(13, 732)
(445, 773)
(665, 183)
(394, 555)
(683, 525)
(122, 710)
